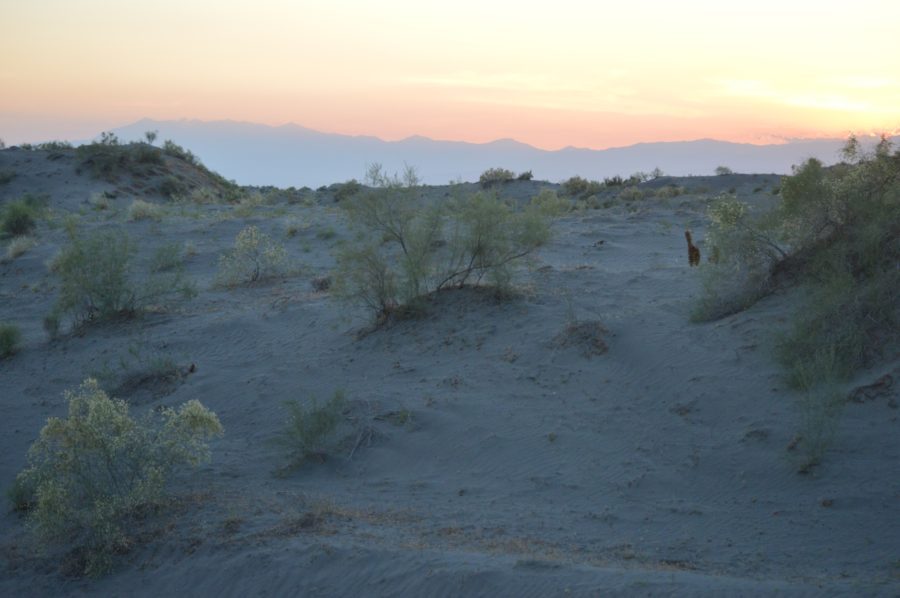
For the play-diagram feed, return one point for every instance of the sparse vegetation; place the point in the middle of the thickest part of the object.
(144, 210)
(837, 232)
(309, 428)
(496, 176)
(20, 217)
(10, 336)
(18, 246)
(97, 282)
(347, 190)
(406, 251)
(255, 256)
(90, 475)
(551, 204)
(579, 187)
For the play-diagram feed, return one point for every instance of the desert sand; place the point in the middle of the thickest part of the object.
(486, 452)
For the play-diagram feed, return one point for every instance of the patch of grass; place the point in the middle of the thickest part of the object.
(496, 176)
(144, 210)
(18, 246)
(10, 337)
(92, 474)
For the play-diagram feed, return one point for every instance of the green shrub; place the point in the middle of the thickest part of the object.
(255, 256)
(96, 279)
(91, 474)
(308, 429)
(495, 176)
(10, 336)
(171, 187)
(405, 251)
(347, 190)
(170, 148)
(20, 217)
(525, 176)
(723, 171)
(579, 187)
(551, 204)
(631, 193)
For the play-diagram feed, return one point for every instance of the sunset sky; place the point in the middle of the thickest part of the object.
(584, 73)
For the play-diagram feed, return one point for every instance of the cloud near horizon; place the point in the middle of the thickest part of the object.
(574, 73)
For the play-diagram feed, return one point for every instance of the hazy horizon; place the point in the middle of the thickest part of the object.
(581, 76)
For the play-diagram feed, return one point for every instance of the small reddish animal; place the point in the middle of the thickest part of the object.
(693, 250)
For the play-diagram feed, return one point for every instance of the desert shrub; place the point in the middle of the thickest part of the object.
(19, 217)
(171, 187)
(405, 251)
(150, 136)
(53, 146)
(10, 336)
(255, 256)
(144, 210)
(97, 279)
(6, 176)
(91, 474)
(168, 258)
(551, 204)
(669, 191)
(579, 187)
(613, 181)
(170, 148)
(198, 195)
(631, 193)
(347, 190)
(309, 428)
(495, 176)
(525, 176)
(723, 170)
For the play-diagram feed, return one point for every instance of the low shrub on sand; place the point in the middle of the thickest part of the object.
(255, 256)
(18, 246)
(10, 336)
(91, 475)
(405, 250)
(496, 176)
(19, 217)
(144, 210)
(97, 279)
(309, 428)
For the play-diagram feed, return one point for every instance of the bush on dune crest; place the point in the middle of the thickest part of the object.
(406, 250)
(93, 473)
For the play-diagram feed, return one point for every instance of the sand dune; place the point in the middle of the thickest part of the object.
(522, 465)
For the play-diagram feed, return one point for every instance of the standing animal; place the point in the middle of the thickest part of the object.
(693, 250)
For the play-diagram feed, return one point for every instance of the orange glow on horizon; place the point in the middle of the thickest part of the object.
(581, 75)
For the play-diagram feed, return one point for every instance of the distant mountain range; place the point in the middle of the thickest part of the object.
(291, 155)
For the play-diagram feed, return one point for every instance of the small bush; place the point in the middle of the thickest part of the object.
(10, 336)
(525, 176)
(144, 210)
(669, 191)
(496, 176)
(18, 246)
(551, 204)
(20, 217)
(255, 256)
(6, 176)
(168, 258)
(631, 194)
(579, 187)
(308, 429)
(723, 171)
(171, 187)
(347, 190)
(89, 475)
(96, 279)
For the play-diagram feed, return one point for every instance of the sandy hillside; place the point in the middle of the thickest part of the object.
(485, 452)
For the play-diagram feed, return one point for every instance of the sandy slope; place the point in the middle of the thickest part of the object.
(526, 468)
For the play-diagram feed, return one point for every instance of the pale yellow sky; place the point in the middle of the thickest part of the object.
(591, 74)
